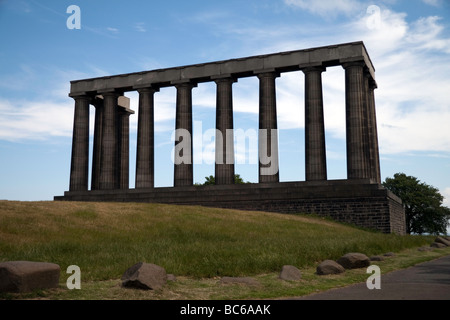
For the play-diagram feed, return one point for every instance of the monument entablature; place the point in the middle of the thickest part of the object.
(327, 56)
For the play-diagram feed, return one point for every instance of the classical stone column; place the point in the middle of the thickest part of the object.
(124, 148)
(373, 133)
(79, 168)
(109, 171)
(268, 131)
(224, 166)
(357, 155)
(183, 167)
(315, 154)
(145, 140)
(367, 126)
(96, 152)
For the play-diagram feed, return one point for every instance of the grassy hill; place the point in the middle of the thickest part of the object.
(194, 242)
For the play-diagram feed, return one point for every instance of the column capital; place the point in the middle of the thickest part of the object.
(313, 69)
(183, 83)
(350, 64)
(273, 73)
(97, 101)
(76, 96)
(109, 93)
(224, 78)
(146, 89)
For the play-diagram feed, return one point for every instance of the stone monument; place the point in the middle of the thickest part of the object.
(360, 199)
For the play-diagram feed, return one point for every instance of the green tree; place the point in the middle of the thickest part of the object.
(212, 180)
(423, 204)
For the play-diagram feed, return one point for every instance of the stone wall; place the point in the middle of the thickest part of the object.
(397, 217)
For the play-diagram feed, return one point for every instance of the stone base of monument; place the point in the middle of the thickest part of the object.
(360, 202)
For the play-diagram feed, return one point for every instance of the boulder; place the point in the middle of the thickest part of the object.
(239, 280)
(354, 260)
(437, 245)
(290, 273)
(389, 254)
(171, 277)
(329, 267)
(26, 276)
(443, 241)
(145, 276)
(376, 258)
(425, 249)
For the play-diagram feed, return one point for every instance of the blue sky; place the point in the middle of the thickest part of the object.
(408, 42)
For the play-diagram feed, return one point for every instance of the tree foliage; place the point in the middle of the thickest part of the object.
(212, 180)
(423, 204)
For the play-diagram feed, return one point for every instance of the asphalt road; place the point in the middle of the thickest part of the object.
(425, 281)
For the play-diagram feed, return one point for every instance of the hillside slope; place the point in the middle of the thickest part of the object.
(104, 239)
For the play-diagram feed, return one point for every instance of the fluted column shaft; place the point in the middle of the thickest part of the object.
(124, 149)
(224, 166)
(315, 153)
(356, 124)
(368, 150)
(96, 152)
(79, 168)
(109, 173)
(145, 140)
(268, 131)
(373, 133)
(183, 167)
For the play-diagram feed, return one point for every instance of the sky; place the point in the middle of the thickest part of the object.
(408, 42)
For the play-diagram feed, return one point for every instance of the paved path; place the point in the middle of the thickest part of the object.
(425, 281)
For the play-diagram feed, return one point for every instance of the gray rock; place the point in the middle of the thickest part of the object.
(290, 273)
(437, 245)
(171, 277)
(425, 249)
(26, 276)
(376, 258)
(239, 280)
(145, 276)
(443, 241)
(354, 260)
(389, 254)
(329, 267)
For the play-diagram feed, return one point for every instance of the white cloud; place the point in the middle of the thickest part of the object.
(326, 8)
(46, 111)
(33, 120)
(20, 79)
(140, 27)
(446, 195)
(425, 34)
(435, 3)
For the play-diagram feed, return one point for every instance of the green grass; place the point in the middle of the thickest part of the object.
(194, 243)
